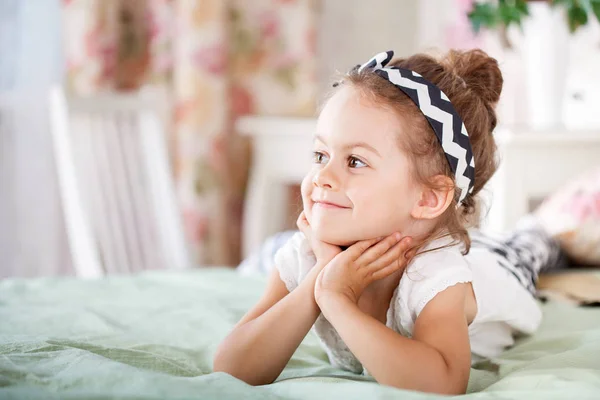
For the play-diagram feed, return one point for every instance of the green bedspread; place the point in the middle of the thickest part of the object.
(153, 336)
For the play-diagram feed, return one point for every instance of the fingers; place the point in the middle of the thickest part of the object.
(386, 271)
(302, 223)
(377, 250)
(409, 255)
(395, 255)
(301, 219)
(358, 248)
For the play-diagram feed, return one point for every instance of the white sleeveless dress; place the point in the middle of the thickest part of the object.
(505, 306)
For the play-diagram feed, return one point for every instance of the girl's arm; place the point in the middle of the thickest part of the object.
(262, 343)
(437, 358)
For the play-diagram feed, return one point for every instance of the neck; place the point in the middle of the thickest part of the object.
(385, 287)
(421, 231)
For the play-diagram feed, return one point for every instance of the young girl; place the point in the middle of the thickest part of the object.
(401, 150)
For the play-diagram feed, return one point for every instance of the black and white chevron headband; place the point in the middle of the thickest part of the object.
(439, 112)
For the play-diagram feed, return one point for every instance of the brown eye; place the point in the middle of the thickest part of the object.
(354, 162)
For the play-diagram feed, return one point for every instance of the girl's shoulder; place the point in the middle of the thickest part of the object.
(440, 266)
(436, 257)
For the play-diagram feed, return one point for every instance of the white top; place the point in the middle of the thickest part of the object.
(504, 306)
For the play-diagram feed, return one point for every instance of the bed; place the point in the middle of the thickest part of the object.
(153, 336)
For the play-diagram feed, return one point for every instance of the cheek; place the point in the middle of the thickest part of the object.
(383, 204)
(306, 190)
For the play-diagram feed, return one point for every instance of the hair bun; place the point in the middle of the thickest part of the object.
(480, 72)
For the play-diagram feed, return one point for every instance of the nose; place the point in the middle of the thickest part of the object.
(326, 178)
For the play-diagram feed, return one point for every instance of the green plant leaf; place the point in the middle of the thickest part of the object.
(577, 16)
(483, 15)
(595, 5)
(512, 12)
(521, 5)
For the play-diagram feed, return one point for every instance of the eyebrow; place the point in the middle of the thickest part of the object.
(352, 145)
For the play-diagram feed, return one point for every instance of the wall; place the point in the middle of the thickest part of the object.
(352, 31)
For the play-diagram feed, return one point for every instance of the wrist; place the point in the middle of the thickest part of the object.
(313, 273)
(333, 302)
(307, 285)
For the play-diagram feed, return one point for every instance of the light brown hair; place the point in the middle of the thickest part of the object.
(473, 82)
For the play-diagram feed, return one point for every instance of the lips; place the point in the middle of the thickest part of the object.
(329, 204)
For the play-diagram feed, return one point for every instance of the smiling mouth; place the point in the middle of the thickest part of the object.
(326, 204)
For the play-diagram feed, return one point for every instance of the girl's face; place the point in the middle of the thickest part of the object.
(360, 184)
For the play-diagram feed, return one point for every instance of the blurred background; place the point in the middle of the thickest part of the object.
(239, 84)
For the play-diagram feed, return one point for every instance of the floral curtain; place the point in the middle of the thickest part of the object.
(220, 59)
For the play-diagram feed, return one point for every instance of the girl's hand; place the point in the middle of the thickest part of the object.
(324, 252)
(367, 261)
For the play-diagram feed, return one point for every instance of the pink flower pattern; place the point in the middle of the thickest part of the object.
(212, 59)
(216, 178)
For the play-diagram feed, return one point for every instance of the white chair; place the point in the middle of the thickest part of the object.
(117, 191)
(281, 157)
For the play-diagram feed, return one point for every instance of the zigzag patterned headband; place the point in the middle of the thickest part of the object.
(443, 118)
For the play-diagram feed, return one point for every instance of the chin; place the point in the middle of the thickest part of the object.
(334, 236)
(341, 230)
(336, 240)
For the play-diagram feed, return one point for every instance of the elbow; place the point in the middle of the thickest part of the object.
(440, 388)
(457, 384)
(449, 382)
(222, 363)
(237, 373)
(454, 383)
(248, 378)
(219, 364)
(450, 389)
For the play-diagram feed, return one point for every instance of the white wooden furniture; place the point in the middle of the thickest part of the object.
(532, 166)
(117, 191)
(281, 157)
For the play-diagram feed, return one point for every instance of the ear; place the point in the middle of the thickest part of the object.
(434, 201)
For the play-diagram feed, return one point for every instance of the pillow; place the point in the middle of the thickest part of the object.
(572, 216)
